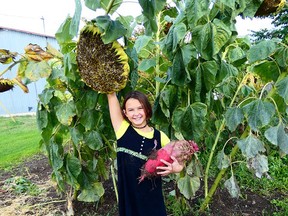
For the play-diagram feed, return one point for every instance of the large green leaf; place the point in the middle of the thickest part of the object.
(89, 119)
(42, 117)
(178, 72)
(65, 112)
(232, 186)
(112, 30)
(73, 168)
(142, 42)
(226, 70)
(93, 4)
(259, 165)
(63, 34)
(281, 56)
(37, 70)
(278, 136)
(178, 34)
(210, 38)
(261, 51)
(146, 64)
(258, 113)
(190, 121)
(267, 70)
(223, 161)
(233, 116)
(209, 72)
(251, 146)
(55, 152)
(91, 193)
(282, 88)
(188, 186)
(74, 27)
(236, 56)
(106, 5)
(77, 134)
(188, 52)
(195, 10)
(46, 96)
(93, 140)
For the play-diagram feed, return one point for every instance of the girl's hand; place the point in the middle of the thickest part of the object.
(174, 167)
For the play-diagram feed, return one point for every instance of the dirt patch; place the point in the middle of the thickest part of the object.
(49, 202)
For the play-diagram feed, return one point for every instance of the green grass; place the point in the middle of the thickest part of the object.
(19, 139)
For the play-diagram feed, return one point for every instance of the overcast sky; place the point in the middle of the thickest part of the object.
(45, 16)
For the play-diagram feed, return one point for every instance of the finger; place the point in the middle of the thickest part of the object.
(165, 162)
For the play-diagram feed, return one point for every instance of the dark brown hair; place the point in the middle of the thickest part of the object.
(142, 98)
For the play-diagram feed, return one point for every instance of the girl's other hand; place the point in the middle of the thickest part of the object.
(174, 167)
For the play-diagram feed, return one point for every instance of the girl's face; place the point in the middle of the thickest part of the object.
(135, 112)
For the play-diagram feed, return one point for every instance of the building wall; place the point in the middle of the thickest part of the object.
(16, 101)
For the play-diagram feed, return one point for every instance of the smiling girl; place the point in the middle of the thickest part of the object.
(136, 139)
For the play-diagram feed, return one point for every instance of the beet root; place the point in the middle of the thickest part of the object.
(182, 150)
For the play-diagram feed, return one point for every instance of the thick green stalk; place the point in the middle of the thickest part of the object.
(206, 175)
(157, 68)
(216, 182)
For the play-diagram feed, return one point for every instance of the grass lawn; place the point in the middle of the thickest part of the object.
(19, 139)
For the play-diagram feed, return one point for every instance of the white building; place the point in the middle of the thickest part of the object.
(15, 101)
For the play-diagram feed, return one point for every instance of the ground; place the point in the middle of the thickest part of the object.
(48, 202)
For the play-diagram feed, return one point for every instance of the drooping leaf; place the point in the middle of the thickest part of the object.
(190, 120)
(91, 193)
(89, 118)
(106, 5)
(282, 88)
(93, 4)
(261, 50)
(178, 73)
(195, 10)
(251, 146)
(178, 34)
(281, 56)
(232, 186)
(209, 71)
(278, 136)
(210, 38)
(146, 64)
(46, 96)
(93, 140)
(188, 52)
(142, 42)
(63, 34)
(111, 30)
(73, 167)
(56, 159)
(236, 56)
(223, 160)
(226, 70)
(188, 186)
(233, 116)
(259, 164)
(258, 113)
(77, 134)
(42, 117)
(37, 70)
(267, 70)
(65, 112)
(74, 27)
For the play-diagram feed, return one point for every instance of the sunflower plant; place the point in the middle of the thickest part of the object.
(207, 84)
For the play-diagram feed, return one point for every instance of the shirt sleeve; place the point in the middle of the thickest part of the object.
(164, 139)
(123, 127)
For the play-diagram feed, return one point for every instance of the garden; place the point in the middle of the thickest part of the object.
(227, 93)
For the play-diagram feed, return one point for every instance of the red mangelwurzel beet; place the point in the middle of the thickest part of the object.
(182, 150)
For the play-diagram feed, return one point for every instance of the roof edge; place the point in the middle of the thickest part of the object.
(27, 32)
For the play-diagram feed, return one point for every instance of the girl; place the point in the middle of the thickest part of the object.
(135, 141)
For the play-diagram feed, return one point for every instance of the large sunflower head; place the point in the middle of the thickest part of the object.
(270, 7)
(103, 67)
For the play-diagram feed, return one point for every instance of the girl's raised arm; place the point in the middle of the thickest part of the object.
(115, 111)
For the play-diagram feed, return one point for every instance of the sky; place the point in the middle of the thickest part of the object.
(46, 16)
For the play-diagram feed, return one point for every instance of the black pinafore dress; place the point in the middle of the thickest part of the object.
(144, 198)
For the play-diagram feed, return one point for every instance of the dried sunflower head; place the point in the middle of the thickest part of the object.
(269, 7)
(103, 67)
